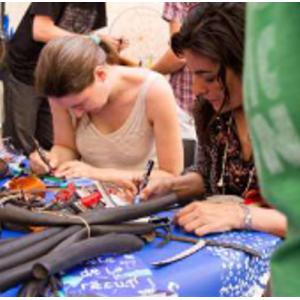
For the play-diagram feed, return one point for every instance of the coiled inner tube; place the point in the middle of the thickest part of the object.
(115, 215)
(80, 251)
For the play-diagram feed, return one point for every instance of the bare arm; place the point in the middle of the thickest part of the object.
(161, 112)
(64, 148)
(44, 29)
(188, 185)
(268, 220)
(169, 63)
(219, 214)
(64, 134)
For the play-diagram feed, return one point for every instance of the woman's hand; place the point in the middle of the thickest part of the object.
(38, 166)
(75, 168)
(157, 186)
(118, 43)
(187, 185)
(204, 217)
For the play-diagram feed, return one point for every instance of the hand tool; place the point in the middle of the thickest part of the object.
(199, 244)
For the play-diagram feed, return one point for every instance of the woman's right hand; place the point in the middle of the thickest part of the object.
(157, 186)
(38, 166)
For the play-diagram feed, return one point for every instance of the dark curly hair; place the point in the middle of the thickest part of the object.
(214, 30)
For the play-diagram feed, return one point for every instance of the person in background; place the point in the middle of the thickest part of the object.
(272, 105)
(212, 42)
(180, 77)
(108, 119)
(27, 113)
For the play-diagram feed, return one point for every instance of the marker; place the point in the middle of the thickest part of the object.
(145, 180)
(42, 155)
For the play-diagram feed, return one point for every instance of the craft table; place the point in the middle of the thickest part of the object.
(212, 271)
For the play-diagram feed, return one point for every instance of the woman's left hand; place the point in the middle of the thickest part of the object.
(75, 168)
(204, 217)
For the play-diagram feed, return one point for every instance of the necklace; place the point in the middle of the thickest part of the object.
(220, 183)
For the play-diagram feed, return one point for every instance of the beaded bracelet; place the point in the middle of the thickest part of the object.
(247, 217)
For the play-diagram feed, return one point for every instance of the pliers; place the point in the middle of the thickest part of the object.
(197, 245)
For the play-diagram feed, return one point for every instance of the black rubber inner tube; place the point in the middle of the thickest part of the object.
(6, 240)
(74, 238)
(22, 271)
(23, 242)
(12, 213)
(97, 230)
(133, 228)
(36, 250)
(21, 268)
(67, 257)
(116, 215)
(33, 288)
(13, 276)
(113, 215)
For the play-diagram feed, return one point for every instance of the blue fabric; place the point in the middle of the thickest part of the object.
(212, 271)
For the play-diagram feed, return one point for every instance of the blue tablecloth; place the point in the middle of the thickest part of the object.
(212, 271)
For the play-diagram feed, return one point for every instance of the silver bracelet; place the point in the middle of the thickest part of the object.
(247, 221)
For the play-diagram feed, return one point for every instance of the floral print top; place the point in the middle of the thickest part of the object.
(237, 171)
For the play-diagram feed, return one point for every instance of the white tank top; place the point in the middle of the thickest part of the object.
(129, 147)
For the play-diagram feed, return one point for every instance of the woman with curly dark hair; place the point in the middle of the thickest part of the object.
(212, 42)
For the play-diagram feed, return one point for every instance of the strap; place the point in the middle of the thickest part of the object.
(145, 87)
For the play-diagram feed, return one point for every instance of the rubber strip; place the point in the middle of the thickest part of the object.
(112, 215)
(7, 240)
(12, 277)
(98, 230)
(27, 240)
(35, 250)
(33, 288)
(133, 228)
(78, 252)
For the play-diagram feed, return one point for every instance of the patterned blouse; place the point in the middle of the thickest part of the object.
(237, 177)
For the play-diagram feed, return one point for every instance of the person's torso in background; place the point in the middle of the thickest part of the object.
(181, 80)
(75, 17)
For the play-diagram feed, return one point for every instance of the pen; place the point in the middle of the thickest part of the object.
(42, 155)
(145, 180)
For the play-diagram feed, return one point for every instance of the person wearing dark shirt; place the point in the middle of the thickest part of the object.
(212, 42)
(27, 114)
